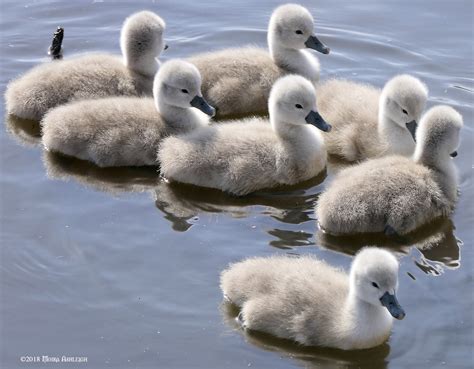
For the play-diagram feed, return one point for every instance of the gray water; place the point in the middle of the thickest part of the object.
(123, 269)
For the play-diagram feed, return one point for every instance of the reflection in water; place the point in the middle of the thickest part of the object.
(310, 357)
(440, 251)
(289, 239)
(99, 286)
(25, 132)
(436, 243)
(182, 203)
(114, 180)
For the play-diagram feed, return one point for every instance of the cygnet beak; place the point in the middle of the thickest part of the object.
(315, 119)
(412, 126)
(454, 154)
(313, 43)
(166, 47)
(198, 102)
(392, 305)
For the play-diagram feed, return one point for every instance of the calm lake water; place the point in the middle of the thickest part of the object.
(123, 269)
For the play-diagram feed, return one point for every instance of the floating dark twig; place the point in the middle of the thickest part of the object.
(55, 50)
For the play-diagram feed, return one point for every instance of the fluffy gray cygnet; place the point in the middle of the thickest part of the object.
(306, 300)
(126, 131)
(241, 157)
(92, 76)
(238, 81)
(369, 122)
(396, 194)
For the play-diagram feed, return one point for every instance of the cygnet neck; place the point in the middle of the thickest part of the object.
(363, 319)
(359, 306)
(174, 115)
(283, 56)
(429, 155)
(293, 60)
(285, 130)
(146, 65)
(397, 139)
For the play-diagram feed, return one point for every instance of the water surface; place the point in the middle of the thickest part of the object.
(120, 267)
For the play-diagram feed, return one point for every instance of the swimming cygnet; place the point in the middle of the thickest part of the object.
(308, 301)
(238, 81)
(396, 194)
(371, 123)
(126, 131)
(95, 75)
(244, 156)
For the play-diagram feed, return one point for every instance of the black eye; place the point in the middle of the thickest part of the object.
(375, 285)
(184, 91)
(299, 32)
(404, 111)
(298, 106)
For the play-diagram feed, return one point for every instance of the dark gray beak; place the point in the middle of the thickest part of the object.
(411, 126)
(166, 47)
(198, 102)
(392, 305)
(315, 119)
(313, 43)
(454, 154)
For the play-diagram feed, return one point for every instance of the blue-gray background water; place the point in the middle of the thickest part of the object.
(121, 268)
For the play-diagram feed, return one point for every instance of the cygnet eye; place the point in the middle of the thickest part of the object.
(184, 91)
(404, 111)
(375, 285)
(299, 32)
(298, 106)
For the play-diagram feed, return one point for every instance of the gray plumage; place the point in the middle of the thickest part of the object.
(238, 81)
(244, 156)
(92, 76)
(308, 301)
(126, 131)
(369, 122)
(396, 191)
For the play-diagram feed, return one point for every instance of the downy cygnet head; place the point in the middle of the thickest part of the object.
(292, 27)
(438, 133)
(178, 84)
(141, 42)
(403, 100)
(293, 102)
(374, 279)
